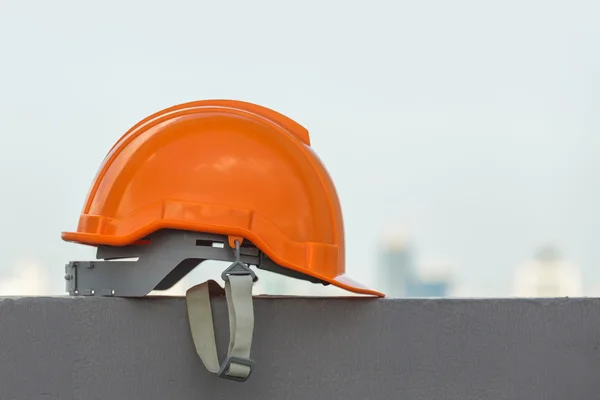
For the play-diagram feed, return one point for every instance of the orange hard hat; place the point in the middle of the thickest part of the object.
(225, 167)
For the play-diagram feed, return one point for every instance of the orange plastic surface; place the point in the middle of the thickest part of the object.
(224, 167)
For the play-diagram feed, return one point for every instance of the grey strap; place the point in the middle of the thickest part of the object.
(238, 291)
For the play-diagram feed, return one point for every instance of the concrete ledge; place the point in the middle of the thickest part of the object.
(309, 349)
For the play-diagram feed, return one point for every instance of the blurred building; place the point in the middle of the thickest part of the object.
(395, 267)
(547, 275)
(400, 276)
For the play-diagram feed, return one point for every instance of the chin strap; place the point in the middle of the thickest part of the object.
(239, 279)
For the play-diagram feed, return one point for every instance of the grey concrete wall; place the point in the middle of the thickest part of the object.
(310, 349)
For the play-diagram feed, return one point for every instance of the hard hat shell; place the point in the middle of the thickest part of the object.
(224, 167)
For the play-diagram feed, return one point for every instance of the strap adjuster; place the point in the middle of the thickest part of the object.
(223, 373)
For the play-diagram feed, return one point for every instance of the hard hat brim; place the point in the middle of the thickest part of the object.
(347, 283)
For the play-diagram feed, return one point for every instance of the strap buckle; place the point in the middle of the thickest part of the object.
(238, 267)
(223, 373)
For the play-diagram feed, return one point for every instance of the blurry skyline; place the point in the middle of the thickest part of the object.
(472, 126)
(548, 274)
(401, 271)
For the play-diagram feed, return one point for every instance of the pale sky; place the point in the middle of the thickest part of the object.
(470, 125)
